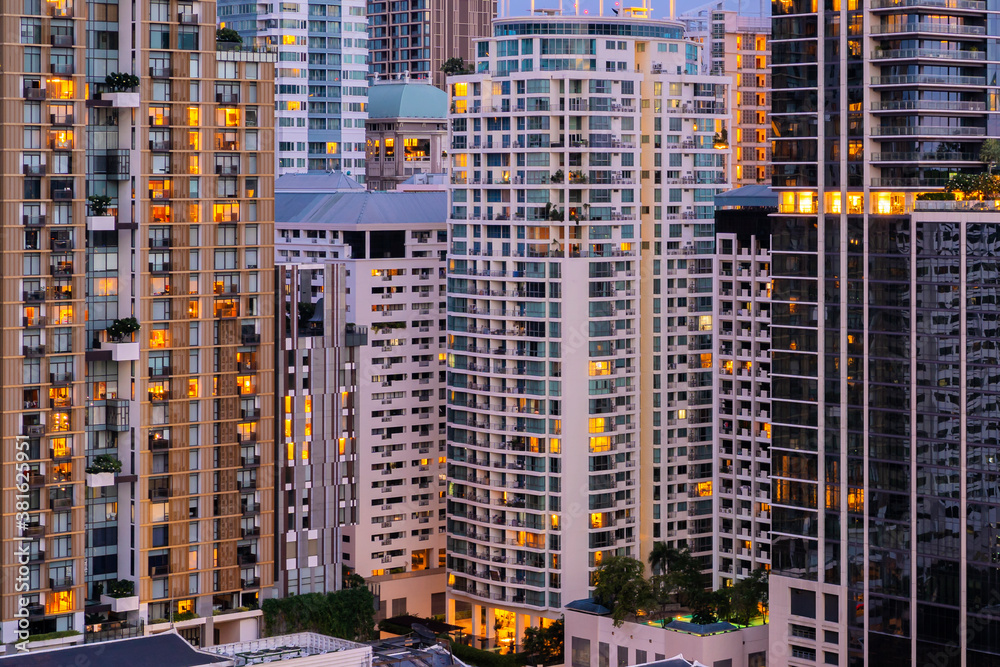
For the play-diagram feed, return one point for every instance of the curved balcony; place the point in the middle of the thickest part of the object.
(924, 157)
(927, 27)
(928, 80)
(928, 105)
(961, 5)
(936, 54)
(927, 130)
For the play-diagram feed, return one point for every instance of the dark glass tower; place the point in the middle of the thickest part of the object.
(885, 506)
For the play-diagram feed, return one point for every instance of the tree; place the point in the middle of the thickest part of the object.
(454, 66)
(621, 587)
(347, 614)
(228, 35)
(989, 153)
(120, 82)
(975, 186)
(544, 646)
(748, 597)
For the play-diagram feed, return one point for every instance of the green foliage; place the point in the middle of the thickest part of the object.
(479, 658)
(121, 328)
(553, 212)
(228, 35)
(621, 587)
(557, 177)
(53, 635)
(185, 616)
(455, 66)
(544, 646)
(120, 82)
(577, 177)
(747, 596)
(121, 588)
(99, 204)
(347, 614)
(975, 186)
(155, 621)
(989, 153)
(353, 580)
(106, 463)
(936, 196)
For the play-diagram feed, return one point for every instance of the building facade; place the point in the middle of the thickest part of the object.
(143, 444)
(391, 247)
(415, 37)
(407, 132)
(738, 46)
(881, 444)
(322, 85)
(742, 416)
(552, 161)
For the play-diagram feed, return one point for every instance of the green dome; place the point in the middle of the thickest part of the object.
(406, 99)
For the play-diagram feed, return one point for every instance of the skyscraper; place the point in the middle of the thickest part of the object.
(139, 443)
(322, 79)
(416, 37)
(884, 517)
(576, 130)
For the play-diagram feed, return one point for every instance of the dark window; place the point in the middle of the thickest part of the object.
(830, 602)
(803, 603)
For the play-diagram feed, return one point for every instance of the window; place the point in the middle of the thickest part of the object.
(580, 649)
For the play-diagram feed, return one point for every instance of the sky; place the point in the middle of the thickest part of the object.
(661, 8)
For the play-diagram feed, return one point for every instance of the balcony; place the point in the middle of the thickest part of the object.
(912, 54)
(227, 169)
(61, 40)
(33, 430)
(101, 223)
(60, 378)
(158, 395)
(160, 267)
(63, 268)
(159, 145)
(250, 508)
(61, 583)
(159, 72)
(159, 493)
(246, 559)
(159, 570)
(227, 98)
(32, 93)
(158, 444)
(122, 100)
(187, 18)
(33, 220)
(61, 69)
(929, 80)
(250, 583)
(34, 170)
(33, 296)
(249, 337)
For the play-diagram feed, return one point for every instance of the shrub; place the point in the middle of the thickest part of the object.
(120, 82)
(53, 635)
(228, 35)
(99, 204)
(347, 614)
(122, 328)
(121, 588)
(105, 463)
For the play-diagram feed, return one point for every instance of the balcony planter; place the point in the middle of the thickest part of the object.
(101, 223)
(121, 605)
(124, 351)
(99, 479)
(122, 100)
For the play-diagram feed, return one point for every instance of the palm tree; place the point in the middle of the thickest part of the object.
(660, 557)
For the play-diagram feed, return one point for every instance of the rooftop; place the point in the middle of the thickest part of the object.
(748, 196)
(316, 181)
(167, 649)
(407, 99)
(412, 652)
(289, 647)
(364, 207)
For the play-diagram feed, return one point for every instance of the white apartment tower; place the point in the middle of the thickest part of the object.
(559, 149)
(742, 385)
(392, 245)
(321, 89)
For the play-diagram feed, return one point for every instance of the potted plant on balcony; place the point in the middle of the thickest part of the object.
(121, 596)
(122, 328)
(121, 90)
(103, 470)
(99, 204)
(557, 177)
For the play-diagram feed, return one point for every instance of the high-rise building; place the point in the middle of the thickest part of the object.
(391, 249)
(416, 37)
(737, 45)
(576, 130)
(316, 495)
(407, 132)
(742, 481)
(884, 511)
(143, 445)
(322, 79)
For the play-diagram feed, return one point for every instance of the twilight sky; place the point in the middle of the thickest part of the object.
(661, 8)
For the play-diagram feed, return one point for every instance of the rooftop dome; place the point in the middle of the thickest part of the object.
(407, 99)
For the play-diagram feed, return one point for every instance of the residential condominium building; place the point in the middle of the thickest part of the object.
(562, 145)
(416, 37)
(391, 245)
(738, 46)
(884, 512)
(317, 456)
(321, 93)
(143, 451)
(742, 416)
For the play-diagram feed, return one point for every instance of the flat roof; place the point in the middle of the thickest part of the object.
(167, 649)
(367, 207)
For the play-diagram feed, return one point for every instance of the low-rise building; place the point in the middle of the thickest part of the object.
(592, 640)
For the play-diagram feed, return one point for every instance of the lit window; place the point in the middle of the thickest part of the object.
(331, 147)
